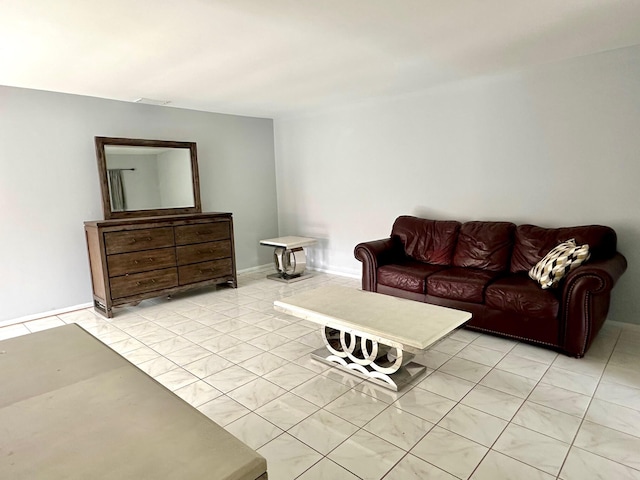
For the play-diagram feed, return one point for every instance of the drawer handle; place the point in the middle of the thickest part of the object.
(148, 239)
(151, 259)
(203, 232)
(200, 252)
(143, 282)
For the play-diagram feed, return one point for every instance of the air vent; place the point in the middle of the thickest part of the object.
(151, 101)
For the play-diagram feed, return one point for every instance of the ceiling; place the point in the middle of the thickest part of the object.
(270, 58)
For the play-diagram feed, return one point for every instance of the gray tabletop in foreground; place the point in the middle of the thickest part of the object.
(372, 335)
(72, 408)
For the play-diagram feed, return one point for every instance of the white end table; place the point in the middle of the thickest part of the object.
(289, 257)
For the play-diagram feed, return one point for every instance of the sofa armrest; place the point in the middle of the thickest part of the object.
(373, 255)
(586, 295)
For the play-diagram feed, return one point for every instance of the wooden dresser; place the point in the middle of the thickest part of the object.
(138, 258)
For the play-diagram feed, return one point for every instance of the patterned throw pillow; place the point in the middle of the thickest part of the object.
(559, 262)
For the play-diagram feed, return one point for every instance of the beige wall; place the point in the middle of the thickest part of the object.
(555, 145)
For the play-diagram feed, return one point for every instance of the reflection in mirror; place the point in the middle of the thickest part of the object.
(148, 178)
(142, 178)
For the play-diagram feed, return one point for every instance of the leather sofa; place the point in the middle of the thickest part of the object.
(482, 268)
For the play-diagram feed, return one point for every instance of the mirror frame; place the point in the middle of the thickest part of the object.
(101, 142)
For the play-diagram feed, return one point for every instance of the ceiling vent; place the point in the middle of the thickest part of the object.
(151, 101)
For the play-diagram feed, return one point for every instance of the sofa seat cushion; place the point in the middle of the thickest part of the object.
(457, 283)
(519, 294)
(408, 275)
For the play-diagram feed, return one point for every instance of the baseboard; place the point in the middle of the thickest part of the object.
(256, 269)
(50, 313)
(334, 272)
(628, 326)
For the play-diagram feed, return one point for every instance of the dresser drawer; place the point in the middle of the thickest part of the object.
(203, 252)
(202, 232)
(136, 283)
(136, 240)
(199, 272)
(135, 262)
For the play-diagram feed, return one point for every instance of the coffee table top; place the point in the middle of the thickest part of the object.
(288, 242)
(380, 317)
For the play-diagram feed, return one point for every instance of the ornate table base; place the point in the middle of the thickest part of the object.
(383, 362)
(289, 257)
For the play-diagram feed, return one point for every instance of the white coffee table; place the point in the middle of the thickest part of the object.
(372, 335)
(289, 257)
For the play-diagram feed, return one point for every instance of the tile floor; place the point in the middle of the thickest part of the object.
(487, 408)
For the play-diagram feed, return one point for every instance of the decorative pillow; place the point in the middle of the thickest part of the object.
(559, 262)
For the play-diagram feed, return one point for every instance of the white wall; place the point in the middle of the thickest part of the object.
(557, 145)
(49, 186)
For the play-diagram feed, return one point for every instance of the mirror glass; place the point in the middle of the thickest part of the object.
(147, 177)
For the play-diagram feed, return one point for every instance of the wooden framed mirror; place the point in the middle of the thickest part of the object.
(144, 178)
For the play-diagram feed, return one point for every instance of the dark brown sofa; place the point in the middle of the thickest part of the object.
(482, 267)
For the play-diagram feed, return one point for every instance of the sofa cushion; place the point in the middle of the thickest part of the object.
(457, 283)
(519, 294)
(429, 241)
(485, 245)
(408, 275)
(549, 271)
(532, 243)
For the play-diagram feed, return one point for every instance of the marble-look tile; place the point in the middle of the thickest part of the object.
(13, 331)
(522, 366)
(254, 318)
(127, 345)
(256, 393)
(619, 394)
(509, 383)
(432, 358)
(413, 468)
(548, 421)
(533, 352)
(198, 393)
(292, 350)
(171, 345)
(111, 336)
(320, 390)
(495, 343)
(449, 346)
(188, 354)
(401, 428)
(43, 324)
(560, 399)
(196, 312)
(287, 410)
(176, 378)
(231, 325)
(340, 376)
(288, 457)
(312, 339)
(247, 333)
(325, 469)
(311, 364)
(271, 323)
(230, 378)
(473, 424)
(383, 394)
(141, 355)
(241, 352)
(581, 465)
(264, 363)
(496, 466)
(207, 366)
(157, 366)
(356, 407)
(576, 382)
(464, 335)
(585, 366)
(465, 369)
(356, 452)
(184, 327)
(614, 416)
(424, 404)
(202, 334)
(142, 329)
(269, 341)
(445, 385)
(533, 448)
(624, 359)
(289, 375)
(323, 431)
(253, 430)
(295, 330)
(482, 355)
(223, 410)
(450, 452)
(612, 444)
(623, 375)
(220, 343)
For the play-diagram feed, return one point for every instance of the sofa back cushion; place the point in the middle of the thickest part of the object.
(430, 241)
(484, 245)
(532, 243)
